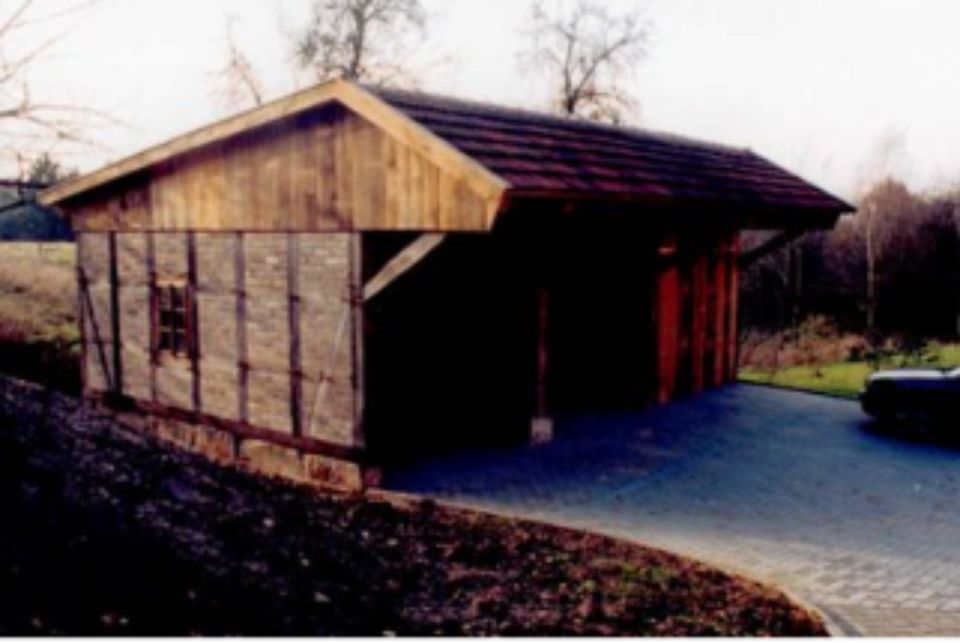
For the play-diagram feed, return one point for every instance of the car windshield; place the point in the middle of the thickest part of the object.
(954, 374)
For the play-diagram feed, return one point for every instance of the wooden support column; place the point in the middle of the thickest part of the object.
(154, 314)
(698, 325)
(243, 363)
(293, 310)
(541, 429)
(82, 312)
(357, 296)
(733, 306)
(667, 319)
(117, 345)
(720, 313)
(194, 321)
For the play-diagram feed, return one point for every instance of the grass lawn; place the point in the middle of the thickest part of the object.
(847, 378)
(39, 338)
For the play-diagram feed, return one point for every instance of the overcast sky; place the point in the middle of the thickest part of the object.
(818, 86)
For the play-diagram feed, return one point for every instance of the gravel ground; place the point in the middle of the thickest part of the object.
(107, 532)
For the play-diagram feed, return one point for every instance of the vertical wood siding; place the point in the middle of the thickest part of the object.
(329, 170)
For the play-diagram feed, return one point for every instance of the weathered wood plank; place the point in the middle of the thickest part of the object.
(243, 362)
(733, 310)
(242, 430)
(117, 383)
(698, 326)
(668, 320)
(193, 319)
(293, 310)
(357, 347)
(721, 286)
(154, 348)
(82, 311)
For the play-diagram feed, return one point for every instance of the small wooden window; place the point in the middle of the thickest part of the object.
(173, 321)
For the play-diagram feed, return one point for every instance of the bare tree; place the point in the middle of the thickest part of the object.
(30, 125)
(238, 83)
(591, 52)
(359, 39)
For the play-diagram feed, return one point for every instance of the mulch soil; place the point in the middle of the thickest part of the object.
(104, 531)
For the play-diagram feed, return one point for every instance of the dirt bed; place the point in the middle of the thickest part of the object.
(106, 532)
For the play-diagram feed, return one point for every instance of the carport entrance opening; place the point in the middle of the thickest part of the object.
(452, 348)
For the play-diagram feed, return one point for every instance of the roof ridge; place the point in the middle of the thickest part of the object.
(388, 93)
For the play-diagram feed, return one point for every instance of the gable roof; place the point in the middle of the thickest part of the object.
(539, 154)
(499, 150)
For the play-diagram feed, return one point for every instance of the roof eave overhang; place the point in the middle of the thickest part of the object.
(744, 215)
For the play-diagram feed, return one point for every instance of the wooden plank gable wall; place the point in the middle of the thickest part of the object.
(326, 170)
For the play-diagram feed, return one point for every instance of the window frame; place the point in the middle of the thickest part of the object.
(172, 329)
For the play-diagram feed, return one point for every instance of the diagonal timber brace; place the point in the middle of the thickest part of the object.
(402, 263)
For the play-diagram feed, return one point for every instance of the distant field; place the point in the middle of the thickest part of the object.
(38, 326)
(846, 378)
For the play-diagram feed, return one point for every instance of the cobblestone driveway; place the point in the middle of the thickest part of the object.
(785, 487)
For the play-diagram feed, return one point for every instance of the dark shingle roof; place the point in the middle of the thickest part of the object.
(543, 154)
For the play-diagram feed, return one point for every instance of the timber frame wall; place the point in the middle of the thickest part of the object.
(275, 355)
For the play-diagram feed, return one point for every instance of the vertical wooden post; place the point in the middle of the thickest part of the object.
(543, 356)
(698, 326)
(720, 313)
(117, 380)
(293, 310)
(667, 319)
(243, 364)
(733, 318)
(94, 327)
(82, 312)
(154, 314)
(355, 294)
(193, 337)
(542, 426)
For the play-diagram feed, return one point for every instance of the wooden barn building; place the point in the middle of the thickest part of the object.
(348, 274)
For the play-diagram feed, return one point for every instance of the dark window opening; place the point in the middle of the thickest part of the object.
(173, 328)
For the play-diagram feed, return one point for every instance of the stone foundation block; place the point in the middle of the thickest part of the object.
(272, 460)
(541, 430)
(216, 445)
(340, 474)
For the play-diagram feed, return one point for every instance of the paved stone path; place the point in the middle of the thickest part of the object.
(790, 488)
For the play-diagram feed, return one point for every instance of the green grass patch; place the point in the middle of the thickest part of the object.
(39, 334)
(847, 378)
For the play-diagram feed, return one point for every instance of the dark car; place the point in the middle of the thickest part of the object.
(910, 394)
